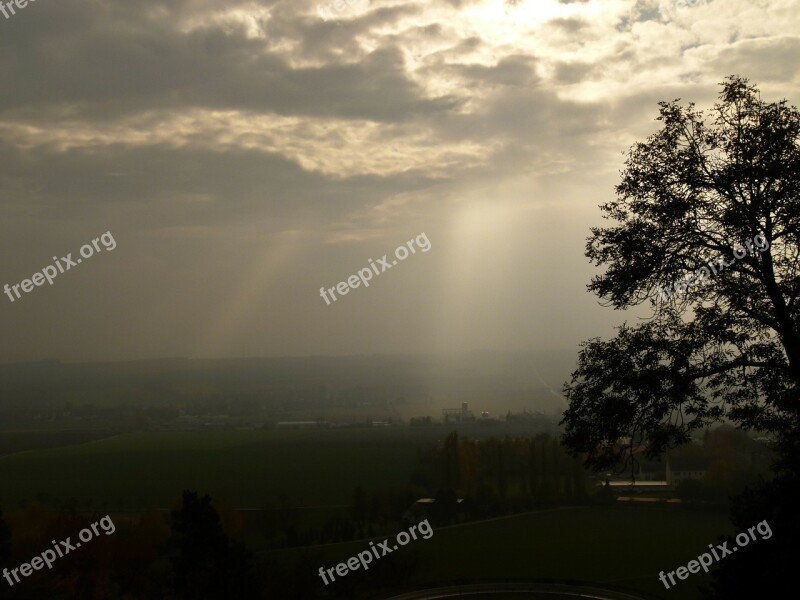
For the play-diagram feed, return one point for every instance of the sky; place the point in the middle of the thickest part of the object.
(244, 154)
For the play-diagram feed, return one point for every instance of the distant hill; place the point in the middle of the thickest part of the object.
(501, 381)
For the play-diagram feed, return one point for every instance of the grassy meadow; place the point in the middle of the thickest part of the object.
(617, 546)
(620, 547)
(244, 468)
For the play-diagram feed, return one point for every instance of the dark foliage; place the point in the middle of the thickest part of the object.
(206, 564)
(765, 567)
(724, 347)
(714, 192)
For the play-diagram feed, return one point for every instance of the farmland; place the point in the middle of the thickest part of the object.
(247, 468)
(624, 547)
(618, 547)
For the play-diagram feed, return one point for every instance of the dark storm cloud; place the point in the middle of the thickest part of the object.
(106, 60)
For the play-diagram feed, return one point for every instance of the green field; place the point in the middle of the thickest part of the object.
(246, 469)
(38, 439)
(620, 547)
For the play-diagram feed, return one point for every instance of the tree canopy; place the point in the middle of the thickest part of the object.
(206, 564)
(709, 201)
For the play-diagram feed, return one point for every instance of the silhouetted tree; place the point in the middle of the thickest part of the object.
(534, 469)
(765, 567)
(445, 507)
(548, 492)
(206, 565)
(694, 193)
(450, 461)
(502, 483)
(713, 204)
(555, 458)
(578, 480)
(469, 465)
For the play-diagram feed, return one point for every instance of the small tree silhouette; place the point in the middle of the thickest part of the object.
(206, 564)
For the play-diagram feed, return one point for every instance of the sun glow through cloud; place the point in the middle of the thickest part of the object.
(502, 22)
(496, 127)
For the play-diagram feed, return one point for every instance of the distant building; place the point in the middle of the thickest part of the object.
(647, 470)
(690, 467)
(301, 424)
(639, 486)
(458, 415)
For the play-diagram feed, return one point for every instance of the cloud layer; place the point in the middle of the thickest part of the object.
(246, 153)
